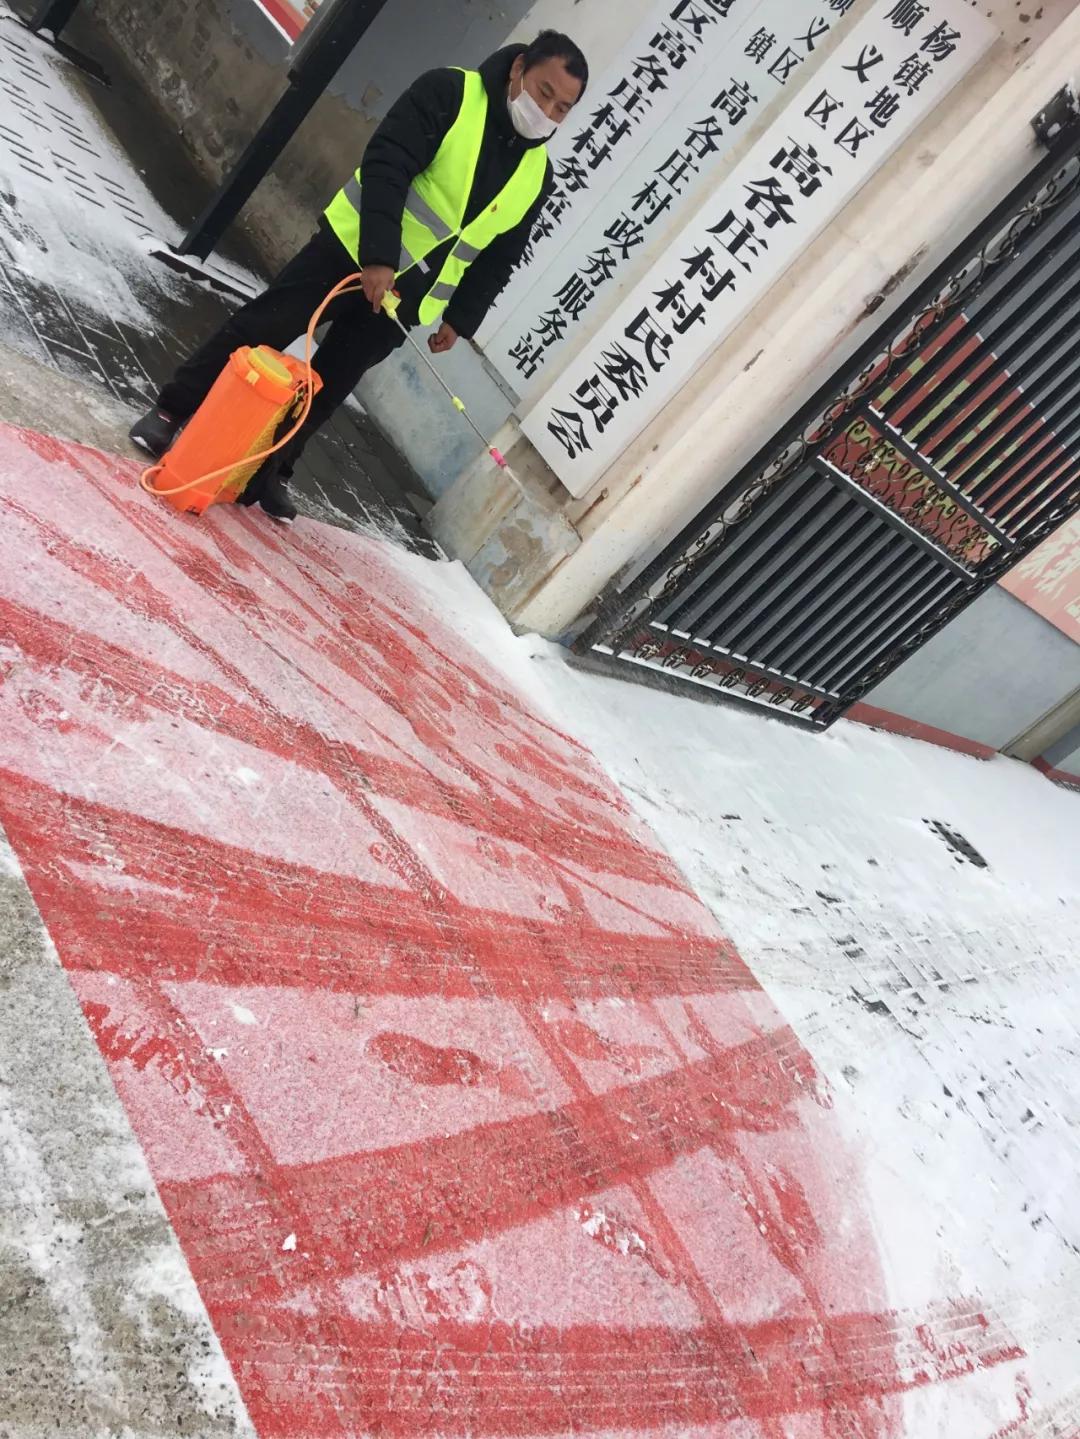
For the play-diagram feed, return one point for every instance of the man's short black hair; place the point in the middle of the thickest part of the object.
(552, 45)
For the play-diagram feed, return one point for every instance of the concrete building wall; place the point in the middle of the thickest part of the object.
(988, 676)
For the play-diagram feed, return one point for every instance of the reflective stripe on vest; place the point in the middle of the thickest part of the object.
(437, 200)
(420, 210)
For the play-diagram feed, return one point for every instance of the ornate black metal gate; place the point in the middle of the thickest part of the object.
(943, 452)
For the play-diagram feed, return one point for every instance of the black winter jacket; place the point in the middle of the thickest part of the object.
(404, 144)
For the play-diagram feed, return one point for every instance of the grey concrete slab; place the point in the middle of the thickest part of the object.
(102, 1332)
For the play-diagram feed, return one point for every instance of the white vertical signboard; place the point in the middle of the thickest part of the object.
(887, 75)
(655, 126)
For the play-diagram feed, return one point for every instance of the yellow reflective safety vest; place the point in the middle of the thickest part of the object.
(437, 200)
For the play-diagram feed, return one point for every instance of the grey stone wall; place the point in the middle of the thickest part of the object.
(989, 675)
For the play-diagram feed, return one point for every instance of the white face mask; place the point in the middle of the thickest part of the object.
(527, 117)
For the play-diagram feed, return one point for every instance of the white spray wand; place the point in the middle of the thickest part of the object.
(390, 303)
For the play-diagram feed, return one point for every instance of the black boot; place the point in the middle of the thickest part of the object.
(275, 498)
(155, 432)
(269, 488)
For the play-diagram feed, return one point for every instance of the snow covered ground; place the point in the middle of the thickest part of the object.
(466, 1114)
(940, 998)
(77, 216)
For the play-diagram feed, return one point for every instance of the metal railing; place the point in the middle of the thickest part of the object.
(937, 457)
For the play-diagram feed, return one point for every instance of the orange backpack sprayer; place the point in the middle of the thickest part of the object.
(232, 433)
(233, 430)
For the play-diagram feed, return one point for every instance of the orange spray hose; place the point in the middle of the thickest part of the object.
(343, 287)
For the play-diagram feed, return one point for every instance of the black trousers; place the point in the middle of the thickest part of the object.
(356, 340)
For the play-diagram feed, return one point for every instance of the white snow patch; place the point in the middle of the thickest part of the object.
(9, 865)
(614, 1234)
(101, 262)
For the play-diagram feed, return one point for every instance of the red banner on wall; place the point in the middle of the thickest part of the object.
(1048, 581)
(289, 16)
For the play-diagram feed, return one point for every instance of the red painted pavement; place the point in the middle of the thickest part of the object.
(467, 1117)
(1059, 776)
(875, 718)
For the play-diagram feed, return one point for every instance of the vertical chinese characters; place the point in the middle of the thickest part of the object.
(867, 94)
(667, 178)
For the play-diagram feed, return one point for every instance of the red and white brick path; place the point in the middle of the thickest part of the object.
(468, 1118)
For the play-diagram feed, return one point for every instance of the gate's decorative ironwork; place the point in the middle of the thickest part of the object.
(941, 454)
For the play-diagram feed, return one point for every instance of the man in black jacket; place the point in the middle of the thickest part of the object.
(529, 91)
